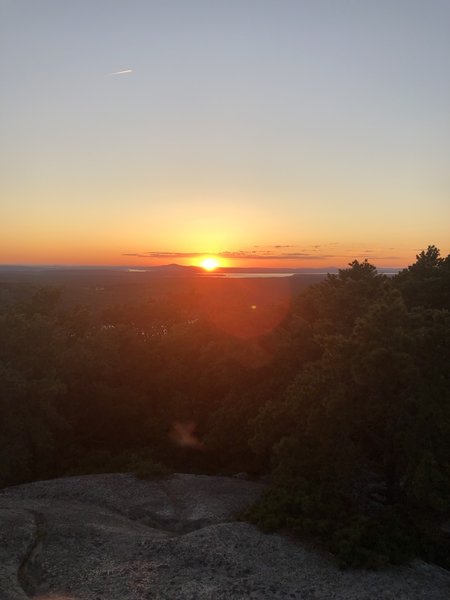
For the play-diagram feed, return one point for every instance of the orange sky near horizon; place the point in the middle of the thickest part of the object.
(253, 231)
(305, 136)
(59, 251)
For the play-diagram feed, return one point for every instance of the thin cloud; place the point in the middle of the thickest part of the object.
(240, 254)
(383, 257)
(165, 254)
(265, 255)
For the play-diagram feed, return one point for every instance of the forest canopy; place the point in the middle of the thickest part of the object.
(344, 401)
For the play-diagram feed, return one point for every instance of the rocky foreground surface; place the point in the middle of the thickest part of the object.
(113, 537)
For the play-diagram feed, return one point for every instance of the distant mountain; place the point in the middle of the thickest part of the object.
(176, 267)
(173, 270)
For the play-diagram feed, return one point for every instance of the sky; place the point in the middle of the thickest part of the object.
(268, 132)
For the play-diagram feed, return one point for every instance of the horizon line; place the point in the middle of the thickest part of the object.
(149, 267)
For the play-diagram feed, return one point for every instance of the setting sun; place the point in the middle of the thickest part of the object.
(209, 263)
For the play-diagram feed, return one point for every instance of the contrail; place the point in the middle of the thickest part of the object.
(124, 72)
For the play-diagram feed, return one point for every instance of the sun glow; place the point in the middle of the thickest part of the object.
(209, 263)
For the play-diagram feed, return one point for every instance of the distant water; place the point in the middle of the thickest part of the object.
(270, 274)
(254, 275)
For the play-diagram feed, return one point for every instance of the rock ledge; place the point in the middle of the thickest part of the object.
(113, 537)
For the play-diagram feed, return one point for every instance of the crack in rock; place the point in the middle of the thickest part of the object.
(28, 571)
